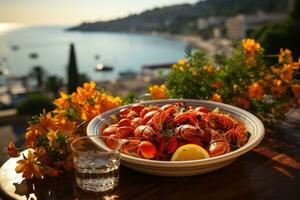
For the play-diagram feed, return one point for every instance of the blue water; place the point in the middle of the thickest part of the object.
(123, 51)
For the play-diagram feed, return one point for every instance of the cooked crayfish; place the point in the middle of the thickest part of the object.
(151, 132)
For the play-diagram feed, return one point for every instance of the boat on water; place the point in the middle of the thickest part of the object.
(33, 55)
(103, 68)
(14, 47)
(127, 74)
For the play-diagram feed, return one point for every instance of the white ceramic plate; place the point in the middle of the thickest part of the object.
(193, 167)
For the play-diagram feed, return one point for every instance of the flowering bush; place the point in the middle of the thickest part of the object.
(49, 135)
(244, 80)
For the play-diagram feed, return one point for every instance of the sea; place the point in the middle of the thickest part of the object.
(22, 48)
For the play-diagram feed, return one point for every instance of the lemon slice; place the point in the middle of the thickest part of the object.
(189, 152)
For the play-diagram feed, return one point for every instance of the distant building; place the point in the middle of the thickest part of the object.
(204, 23)
(217, 32)
(238, 25)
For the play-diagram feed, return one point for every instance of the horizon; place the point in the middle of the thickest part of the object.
(36, 12)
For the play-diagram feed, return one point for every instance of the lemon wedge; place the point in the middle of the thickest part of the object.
(189, 152)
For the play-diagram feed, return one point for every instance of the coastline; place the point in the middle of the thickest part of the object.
(211, 46)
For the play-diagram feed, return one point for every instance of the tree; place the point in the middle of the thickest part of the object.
(284, 34)
(53, 84)
(38, 73)
(73, 77)
(83, 78)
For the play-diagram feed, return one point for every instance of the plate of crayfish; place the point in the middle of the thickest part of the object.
(156, 134)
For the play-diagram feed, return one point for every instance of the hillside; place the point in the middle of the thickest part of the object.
(182, 18)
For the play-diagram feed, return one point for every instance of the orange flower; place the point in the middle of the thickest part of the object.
(63, 102)
(46, 122)
(263, 83)
(210, 69)
(30, 137)
(217, 97)
(216, 85)
(158, 92)
(285, 56)
(297, 64)
(287, 73)
(255, 91)
(243, 102)
(64, 125)
(29, 167)
(296, 90)
(278, 91)
(85, 94)
(12, 150)
(250, 48)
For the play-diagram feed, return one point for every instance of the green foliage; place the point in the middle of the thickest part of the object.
(243, 80)
(73, 76)
(34, 104)
(191, 80)
(130, 98)
(284, 34)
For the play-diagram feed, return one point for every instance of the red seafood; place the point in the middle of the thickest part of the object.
(156, 133)
(218, 144)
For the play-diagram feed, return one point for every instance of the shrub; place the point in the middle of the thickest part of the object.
(34, 104)
(243, 79)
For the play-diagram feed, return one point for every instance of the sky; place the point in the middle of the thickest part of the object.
(39, 12)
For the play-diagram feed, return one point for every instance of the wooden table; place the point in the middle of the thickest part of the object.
(270, 171)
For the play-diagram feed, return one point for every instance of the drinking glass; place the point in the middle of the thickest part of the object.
(96, 165)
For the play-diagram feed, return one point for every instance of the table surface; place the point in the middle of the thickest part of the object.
(270, 171)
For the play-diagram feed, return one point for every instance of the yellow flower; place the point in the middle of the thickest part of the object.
(277, 82)
(51, 135)
(235, 87)
(285, 56)
(182, 62)
(255, 91)
(250, 47)
(29, 167)
(158, 92)
(12, 150)
(287, 73)
(217, 97)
